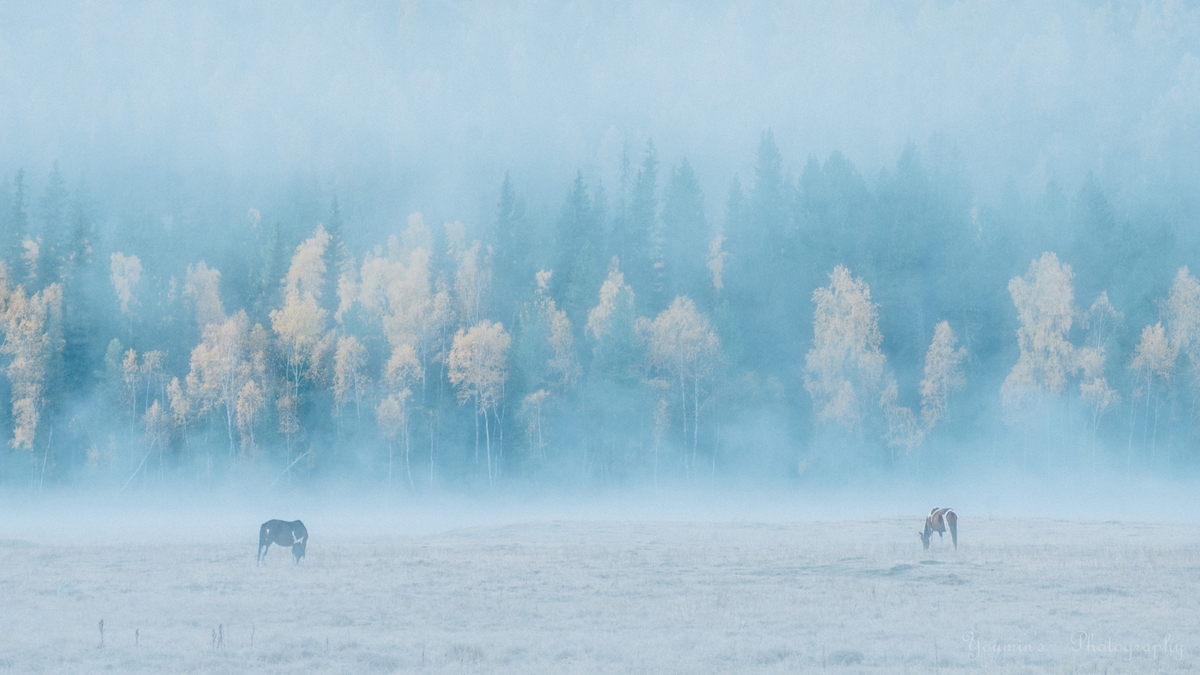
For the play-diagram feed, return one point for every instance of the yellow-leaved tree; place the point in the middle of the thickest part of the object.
(220, 369)
(350, 379)
(299, 326)
(415, 317)
(843, 370)
(1045, 303)
(472, 281)
(201, 286)
(478, 368)
(1153, 361)
(126, 273)
(943, 374)
(1101, 321)
(681, 343)
(547, 351)
(30, 340)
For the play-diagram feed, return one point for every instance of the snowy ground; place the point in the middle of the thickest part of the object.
(606, 596)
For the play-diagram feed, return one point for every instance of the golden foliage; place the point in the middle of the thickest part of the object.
(716, 261)
(349, 371)
(250, 401)
(1153, 355)
(403, 367)
(844, 368)
(181, 404)
(1182, 313)
(903, 431)
(943, 374)
(392, 413)
(1045, 302)
(680, 340)
(1093, 388)
(306, 274)
(472, 280)
(300, 322)
(30, 254)
(29, 339)
(612, 292)
(561, 368)
(157, 423)
(219, 370)
(201, 285)
(478, 364)
(126, 272)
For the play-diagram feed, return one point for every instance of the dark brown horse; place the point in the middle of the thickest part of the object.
(282, 533)
(937, 521)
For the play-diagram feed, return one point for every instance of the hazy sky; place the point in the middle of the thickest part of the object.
(442, 97)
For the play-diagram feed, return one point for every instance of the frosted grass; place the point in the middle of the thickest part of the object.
(1019, 596)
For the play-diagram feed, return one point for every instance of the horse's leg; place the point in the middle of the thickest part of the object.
(954, 533)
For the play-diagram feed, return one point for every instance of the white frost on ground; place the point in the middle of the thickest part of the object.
(1019, 596)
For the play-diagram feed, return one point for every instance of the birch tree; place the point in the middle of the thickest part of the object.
(478, 368)
(681, 342)
(250, 402)
(843, 371)
(472, 281)
(219, 371)
(126, 272)
(1045, 303)
(300, 323)
(201, 286)
(29, 341)
(943, 374)
(1153, 361)
(349, 374)
(618, 351)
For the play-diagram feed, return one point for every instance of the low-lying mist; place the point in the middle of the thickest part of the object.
(429, 267)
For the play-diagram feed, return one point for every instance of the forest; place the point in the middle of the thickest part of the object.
(822, 323)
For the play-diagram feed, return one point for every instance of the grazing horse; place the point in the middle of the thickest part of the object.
(937, 521)
(282, 533)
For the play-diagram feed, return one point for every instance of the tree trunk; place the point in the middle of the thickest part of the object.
(487, 430)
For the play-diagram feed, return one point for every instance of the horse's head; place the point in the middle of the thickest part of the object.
(925, 536)
(298, 549)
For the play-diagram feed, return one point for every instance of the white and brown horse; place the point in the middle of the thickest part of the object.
(937, 521)
(282, 533)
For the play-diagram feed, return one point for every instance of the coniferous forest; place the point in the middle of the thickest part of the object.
(821, 319)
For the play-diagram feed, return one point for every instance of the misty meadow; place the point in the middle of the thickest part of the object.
(599, 337)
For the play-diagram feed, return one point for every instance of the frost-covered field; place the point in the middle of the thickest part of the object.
(638, 597)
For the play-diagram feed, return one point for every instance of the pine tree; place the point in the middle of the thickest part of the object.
(338, 261)
(636, 247)
(577, 244)
(687, 236)
(53, 247)
(512, 255)
(18, 269)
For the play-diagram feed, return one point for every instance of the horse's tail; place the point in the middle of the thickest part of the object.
(952, 522)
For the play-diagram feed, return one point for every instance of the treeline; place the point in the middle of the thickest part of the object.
(820, 321)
